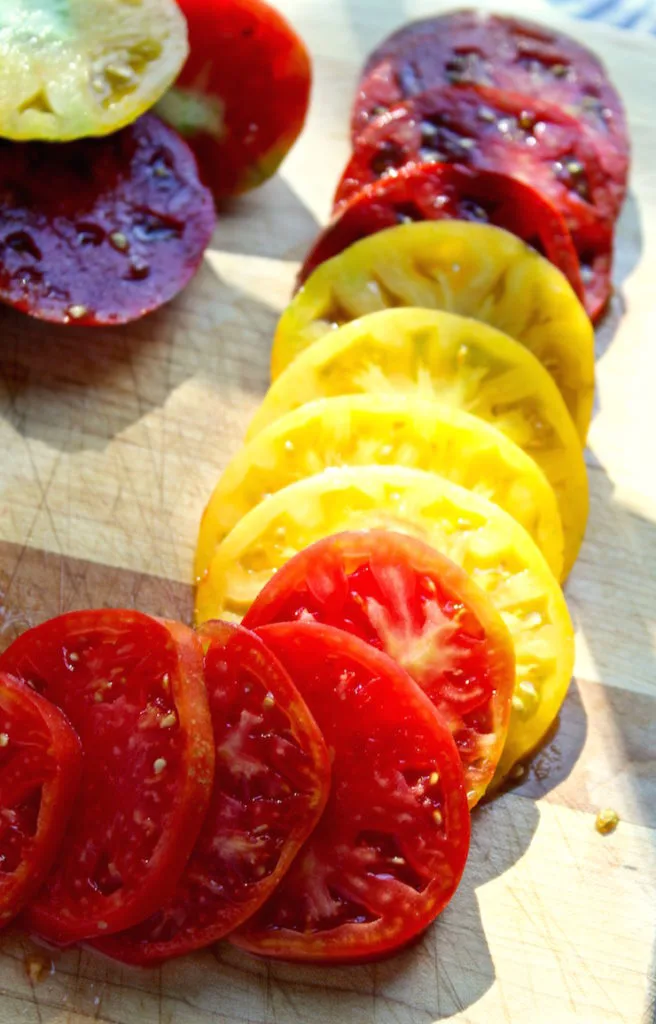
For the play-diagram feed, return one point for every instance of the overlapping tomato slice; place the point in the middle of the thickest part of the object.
(270, 787)
(406, 599)
(391, 845)
(132, 686)
(40, 760)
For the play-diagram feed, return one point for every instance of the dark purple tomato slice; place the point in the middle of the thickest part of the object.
(101, 230)
(448, 191)
(390, 848)
(40, 759)
(493, 130)
(132, 687)
(270, 787)
(406, 599)
(486, 49)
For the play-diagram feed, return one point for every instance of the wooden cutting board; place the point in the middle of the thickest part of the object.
(111, 441)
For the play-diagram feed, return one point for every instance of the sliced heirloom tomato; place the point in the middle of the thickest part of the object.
(40, 759)
(242, 97)
(448, 192)
(406, 599)
(362, 430)
(491, 129)
(480, 537)
(85, 67)
(391, 846)
(101, 231)
(459, 362)
(132, 686)
(516, 55)
(476, 270)
(270, 787)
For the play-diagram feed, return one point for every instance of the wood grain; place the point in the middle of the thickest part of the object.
(111, 443)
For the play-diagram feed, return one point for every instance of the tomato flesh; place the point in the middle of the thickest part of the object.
(513, 54)
(101, 231)
(270, 787)
(449, 192)
(132, 687)
(416, 605)
(242, 96)
(40, 759)
(390, 848)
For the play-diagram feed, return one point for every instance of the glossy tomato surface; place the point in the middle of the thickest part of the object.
(437, 191)
(405, 598)
(512, 134)
(390, 848)
(513, 54)
(40, 759)
(132, 686)
(242, 96)
(101, 231)
(270, 786)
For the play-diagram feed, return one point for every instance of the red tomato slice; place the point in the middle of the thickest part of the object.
(40, 759)
(242, 96)
(406, 599)
(513, 54)
(391, 846)
(270, 788)
(489, 129)
(447, 191)
(132, 686)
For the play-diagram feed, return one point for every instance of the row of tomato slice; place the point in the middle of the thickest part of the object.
(285, 782)
(494, 119)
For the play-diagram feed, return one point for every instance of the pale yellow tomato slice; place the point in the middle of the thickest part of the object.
(460, 362)
(362, 430)
(476, 270)
(485, 541)
(70, 68)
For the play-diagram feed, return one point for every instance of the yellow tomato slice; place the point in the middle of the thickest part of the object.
(362, 430)
(72, 68)
(476, 270)
(485, 541)
(461, 363)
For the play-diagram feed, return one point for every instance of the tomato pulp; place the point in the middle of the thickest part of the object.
(132, 686)
(270, 786)
(390, 848)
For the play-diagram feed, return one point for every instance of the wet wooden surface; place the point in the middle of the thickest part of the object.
(111, 442)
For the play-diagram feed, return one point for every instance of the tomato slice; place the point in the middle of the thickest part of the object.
(391, 846)
(476, 270)
(101, 231)
(384, 429)
(448, 192)
(270, 788)
(132, 686)
(40, 760)
(514, 54)
(242, 97)
(480, 537)
(427, 354)
(85, 67)
(406, 599)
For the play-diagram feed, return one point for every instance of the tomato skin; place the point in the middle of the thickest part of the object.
(407, 599)
(145, 787)
(449, 192)
(391, 846)
(242, 97)
(276, 799)
(39, 750)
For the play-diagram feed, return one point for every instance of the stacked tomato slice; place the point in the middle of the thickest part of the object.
(304, 788)
(490, 119)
